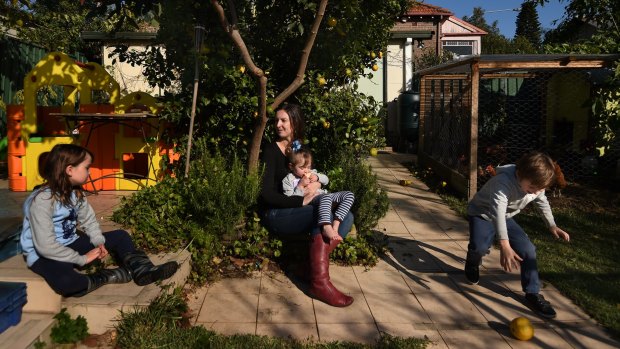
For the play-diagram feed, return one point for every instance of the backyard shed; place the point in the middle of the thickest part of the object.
(483, 111)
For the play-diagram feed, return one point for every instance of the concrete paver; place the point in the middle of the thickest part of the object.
(417, 290)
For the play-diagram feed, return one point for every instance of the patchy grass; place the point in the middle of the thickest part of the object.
(586, 270)
(164, 324)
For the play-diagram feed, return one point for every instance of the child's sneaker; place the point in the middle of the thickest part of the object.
(540, 305)
(472, 272)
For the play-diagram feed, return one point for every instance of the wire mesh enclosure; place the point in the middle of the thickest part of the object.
(486, 111)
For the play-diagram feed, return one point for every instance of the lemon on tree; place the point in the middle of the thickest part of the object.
(321, 81)
(331, 22)
(373, 152)
(375, 67)
(522, 329)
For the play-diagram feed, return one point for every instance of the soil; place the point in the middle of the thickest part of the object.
(585, 199)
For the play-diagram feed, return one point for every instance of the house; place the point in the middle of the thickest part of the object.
(424, 30)
(130, 77)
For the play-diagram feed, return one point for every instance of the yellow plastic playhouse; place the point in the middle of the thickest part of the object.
(122, 134)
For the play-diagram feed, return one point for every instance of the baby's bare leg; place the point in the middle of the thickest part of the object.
(336, 225)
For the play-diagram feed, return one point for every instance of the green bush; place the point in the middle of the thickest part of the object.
(340, 120)
(68, 330)
(371, 204)
(371, 201)
(208, 209)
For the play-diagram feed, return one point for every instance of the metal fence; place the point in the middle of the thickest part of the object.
(473, 122)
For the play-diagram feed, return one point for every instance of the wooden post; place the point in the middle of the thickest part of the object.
(473, 131)
(423, 97)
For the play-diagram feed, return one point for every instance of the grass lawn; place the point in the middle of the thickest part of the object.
(586, 270)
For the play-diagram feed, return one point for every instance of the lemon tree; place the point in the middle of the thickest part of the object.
(276, 37)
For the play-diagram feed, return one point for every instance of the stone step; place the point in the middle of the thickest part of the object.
(32, 329)
(41, 298)
(102, 307)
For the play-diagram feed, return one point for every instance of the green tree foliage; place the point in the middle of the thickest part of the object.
(528, 25)
(272, 40)
(52, 24)
(603, 14)
(493, 42)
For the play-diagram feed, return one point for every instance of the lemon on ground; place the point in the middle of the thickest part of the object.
(522, 329)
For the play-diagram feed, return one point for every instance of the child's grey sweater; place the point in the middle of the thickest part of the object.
(49, 226)
(501, 198)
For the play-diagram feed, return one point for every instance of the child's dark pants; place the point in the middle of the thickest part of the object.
(481, 236)
(62, 276)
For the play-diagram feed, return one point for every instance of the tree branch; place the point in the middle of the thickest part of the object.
(305, 55)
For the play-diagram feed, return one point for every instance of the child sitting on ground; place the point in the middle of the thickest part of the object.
(295, 183)
(50, 240)
(490, 214)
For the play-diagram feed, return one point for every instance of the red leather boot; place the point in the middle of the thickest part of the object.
(320, 286)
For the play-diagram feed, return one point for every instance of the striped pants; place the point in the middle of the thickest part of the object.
(342, 200)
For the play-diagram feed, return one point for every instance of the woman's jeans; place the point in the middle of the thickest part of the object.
(481, 236)
(300, 220)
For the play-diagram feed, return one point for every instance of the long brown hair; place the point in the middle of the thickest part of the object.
(296, 119)
(55, 174)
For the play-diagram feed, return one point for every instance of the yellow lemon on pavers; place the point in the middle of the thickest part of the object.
(522, 329)
(405, 182)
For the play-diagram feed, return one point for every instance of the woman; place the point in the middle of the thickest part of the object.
(290, 215)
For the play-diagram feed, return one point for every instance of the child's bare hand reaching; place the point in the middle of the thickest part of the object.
(509, 259)
(559, 233)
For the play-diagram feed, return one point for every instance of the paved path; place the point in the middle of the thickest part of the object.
(417, 290)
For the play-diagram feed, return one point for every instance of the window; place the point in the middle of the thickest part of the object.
(459, 47)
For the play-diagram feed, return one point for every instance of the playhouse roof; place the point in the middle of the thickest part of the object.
(501, 63)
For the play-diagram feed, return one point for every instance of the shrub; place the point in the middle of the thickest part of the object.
(207, 209)
(340, 120)
(68, 330)
(371, 203)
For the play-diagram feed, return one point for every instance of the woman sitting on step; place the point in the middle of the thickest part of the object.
(52, 245)
(292, 215)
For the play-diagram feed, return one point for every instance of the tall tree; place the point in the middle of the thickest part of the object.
(493, 42)
(283, 44)
(528, 25)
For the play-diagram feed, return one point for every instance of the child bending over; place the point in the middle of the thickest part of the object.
(490, 214)
(50, 240)
(296, 182)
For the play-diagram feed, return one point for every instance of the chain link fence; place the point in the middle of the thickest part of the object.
(517, 111)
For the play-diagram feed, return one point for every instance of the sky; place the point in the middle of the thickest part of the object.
(553, 10)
